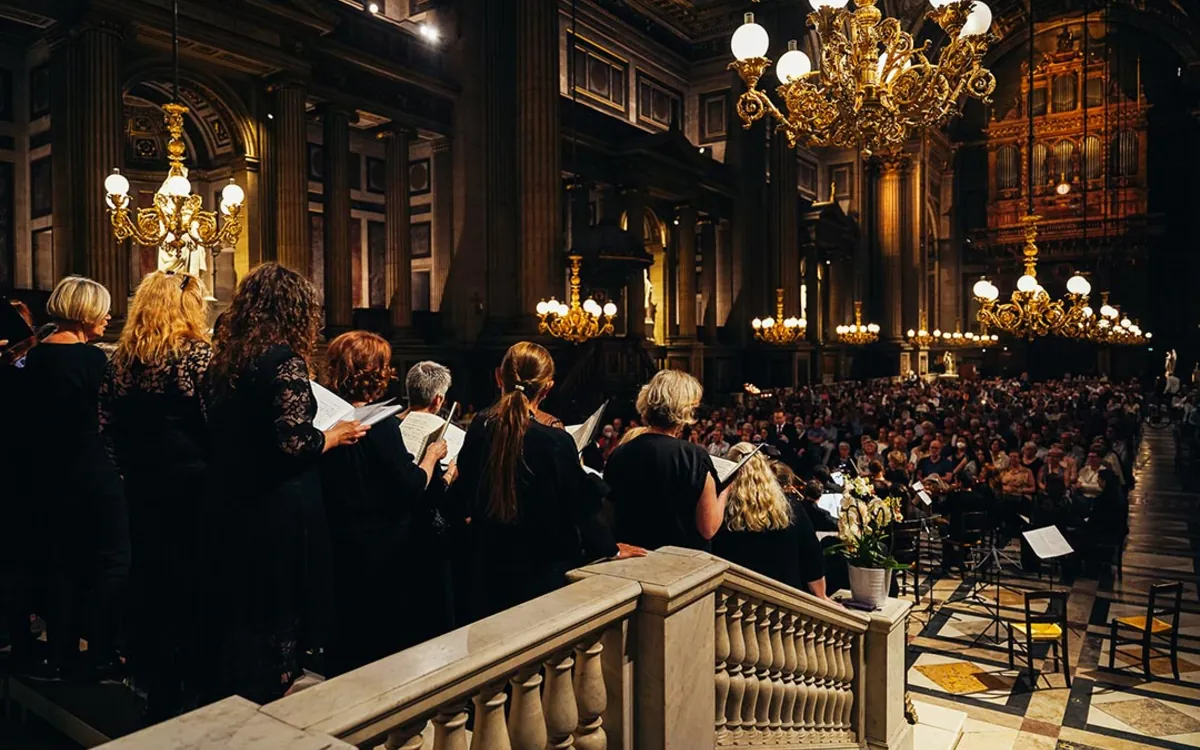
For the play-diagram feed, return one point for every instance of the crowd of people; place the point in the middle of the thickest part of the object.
(175, 506)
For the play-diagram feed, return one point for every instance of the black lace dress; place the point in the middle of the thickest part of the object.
(153, 423)
(271, 584)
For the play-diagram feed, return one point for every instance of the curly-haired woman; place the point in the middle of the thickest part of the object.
(372, 489)
(269, 531)
(152, 420)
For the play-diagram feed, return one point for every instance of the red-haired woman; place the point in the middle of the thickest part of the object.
(371, 489)
(534, 511)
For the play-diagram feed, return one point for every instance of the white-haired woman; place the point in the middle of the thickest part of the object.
(663, 488)
(764, 532)
(80, 495)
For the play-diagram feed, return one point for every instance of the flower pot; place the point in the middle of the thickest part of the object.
(870, 585)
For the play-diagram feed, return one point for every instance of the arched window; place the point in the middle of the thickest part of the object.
(1091, 157)
(1066, 95)
(1064, 153)
(1125, 154)
(1008, 169)
(1041, 175)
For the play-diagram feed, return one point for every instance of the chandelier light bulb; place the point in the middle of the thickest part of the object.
(563, 308)
(177, 186)
(957, 335)
(768, 322)
(1108, 311)
(750, 40)
(1079, 285)
(1149, 335)
(756, 324)
(979, 21)
(1026, 284)
(840, 330)
(610, 309)
(542, 308)
(1088, 312)
(793, 65)
(232, 194)
(911, 333)
(591, 307)
(937, 333)
(1125, 322)
(116, 184)
(1063, 188)
(873, 328)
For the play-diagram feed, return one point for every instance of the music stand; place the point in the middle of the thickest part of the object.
(1048, 543)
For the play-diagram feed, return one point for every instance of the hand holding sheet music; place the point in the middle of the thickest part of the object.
(419, 429)
(584, 434)
(332, 409)
(727, 470)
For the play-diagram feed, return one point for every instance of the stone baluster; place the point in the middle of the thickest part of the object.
(450, 730)
(737, 683)
(777, 660)
(848, 682)
(491, 730)
(766, 657)
(407, 737)
(721, 654)
(591, 696)
(833, 708)
(526, 725)
(821, 678)
(558, 702)
(812, 669)
(750, 670)
(787, 706)
(801, 669)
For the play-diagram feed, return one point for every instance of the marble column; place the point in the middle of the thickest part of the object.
(100, 114)
(339, 302)
(443, 219)
(912, 215)
(396, 215)
(724, 262)
(635, 210)
(685, 273)
(888, 223)
(65, 105)
(539, 180)
(708, 275)
(785, 240)
(289, 152)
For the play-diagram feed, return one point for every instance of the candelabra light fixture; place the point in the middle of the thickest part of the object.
(857, 334)
(921, 337)
(778, 330)
(960, 340)
(875, 87)
(1110, 326)
(176, 223)
(575, 322)
(1031, 312)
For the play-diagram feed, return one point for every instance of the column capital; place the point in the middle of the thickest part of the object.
(291, 82)
(393, 129)
(892, 163)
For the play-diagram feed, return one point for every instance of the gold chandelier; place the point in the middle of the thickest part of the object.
(921, 337)
(857, 334)
(778, 330)
(575, 322)
(1031, 312)
(968, 340)
(1110, 326)
(875, 87)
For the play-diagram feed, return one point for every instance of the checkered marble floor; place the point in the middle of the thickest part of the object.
(958, 657)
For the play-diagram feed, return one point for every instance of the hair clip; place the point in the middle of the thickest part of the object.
(519, 387)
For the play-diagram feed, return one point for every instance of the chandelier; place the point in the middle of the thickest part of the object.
(575, 322)
(176, 224)
(1031, 312)
(921, 337)
(875, 87)
(857, 334)
(778, 330)
(1112, 327)
(968, 340)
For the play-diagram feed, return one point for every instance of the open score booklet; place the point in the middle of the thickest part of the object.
(419, 429)
(332, 408)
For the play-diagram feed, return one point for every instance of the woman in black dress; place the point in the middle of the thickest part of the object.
(271, 587)
(372, 491)
(664, 489)
(763, 532)
(152, 421)
(78, 495)
(534, 513)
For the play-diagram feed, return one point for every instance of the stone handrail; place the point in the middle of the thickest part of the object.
(640, 653)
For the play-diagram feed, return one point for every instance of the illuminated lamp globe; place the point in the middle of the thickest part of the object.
(1026, 284)
(1079, 285)
(978, 22)
(768, 322)
(840, 330)
(1104, 323)
(984, 289)
(232, 194)
(1149, 335)
(1088, 312)
(957, 335)
(542, 308)
(793, 64)
(1063, 187)
(1108, 311)
(911, 333)
(563, 309)
(610, 309)
(177, 186)
(591, 307)
(937, 333)
(116, 184)
(835, 4)
(1125, 322)
(873, 328)
(750, 40)
(946, 336)
(756, 324)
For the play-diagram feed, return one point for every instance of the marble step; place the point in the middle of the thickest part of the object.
(938, 727)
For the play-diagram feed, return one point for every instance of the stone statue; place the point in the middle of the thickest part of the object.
(948, 361)
(651, 308)
(192, 258)
(1170, 363)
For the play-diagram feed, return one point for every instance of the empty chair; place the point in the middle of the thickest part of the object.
(1049, 626)
(1159, 624)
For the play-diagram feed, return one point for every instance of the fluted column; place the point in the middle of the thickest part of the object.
(396, 216)
(339, 304)
(65, 104)
(685, 272)
(100, 115)
(539, 179)
(635, 293)
(708, 275)
(912, 223)
(289, 152)
(784, 266)
(888, 222)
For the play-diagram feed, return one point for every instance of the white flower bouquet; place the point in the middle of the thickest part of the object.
(863, 526)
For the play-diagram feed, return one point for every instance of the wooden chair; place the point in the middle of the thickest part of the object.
(1049, 626)
(1161, 621)
(906, 548)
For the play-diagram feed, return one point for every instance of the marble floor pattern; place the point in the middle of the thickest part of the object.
(1105, 709)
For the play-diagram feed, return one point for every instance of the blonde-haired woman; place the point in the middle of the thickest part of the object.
(764, 532)
(152, 420)
(78, 489)
(664, 489)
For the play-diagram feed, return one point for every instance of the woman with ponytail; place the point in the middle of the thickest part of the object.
(534, 512)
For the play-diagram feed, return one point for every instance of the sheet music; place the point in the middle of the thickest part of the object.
(419, 429)
(590, 470)
(331, 409)
(726, 469)
(838, 478)
(831, 503)
(922, 494)
(373, 413)
(1047, 542)
(826, 535)
(585, 433)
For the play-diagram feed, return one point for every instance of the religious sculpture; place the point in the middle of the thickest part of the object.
(1170, 363)
(948, 362)
(651, 308)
